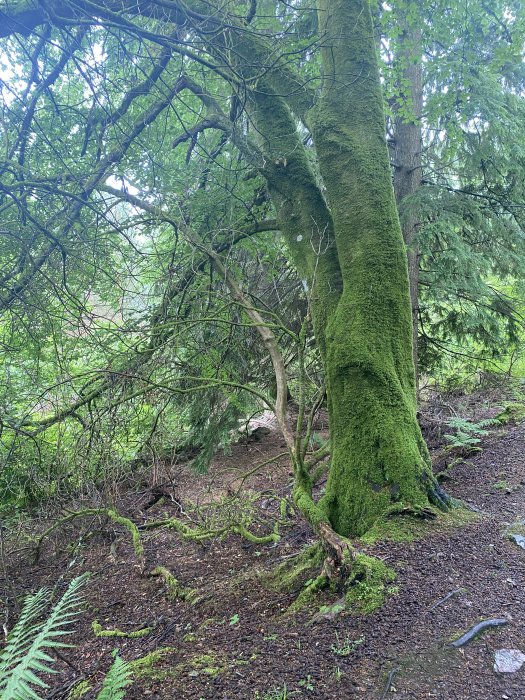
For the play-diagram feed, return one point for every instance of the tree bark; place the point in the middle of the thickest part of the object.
(407, 154)
(379, 458)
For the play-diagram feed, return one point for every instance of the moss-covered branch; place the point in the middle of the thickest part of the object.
(99, 631)
(175, 590)
(197, 534)
(96, 512)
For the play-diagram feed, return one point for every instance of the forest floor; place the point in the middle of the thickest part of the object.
(238, 641)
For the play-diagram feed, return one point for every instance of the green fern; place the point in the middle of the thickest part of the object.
(24, 655)
(468, 435)
(116, 681)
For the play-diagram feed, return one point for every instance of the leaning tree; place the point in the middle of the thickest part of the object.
(298, 100)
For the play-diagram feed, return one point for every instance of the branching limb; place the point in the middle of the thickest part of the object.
(269, 340)
(97, 512)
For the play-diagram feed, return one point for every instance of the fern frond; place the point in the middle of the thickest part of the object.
(23, 633)
(116, 681)
(24, 656)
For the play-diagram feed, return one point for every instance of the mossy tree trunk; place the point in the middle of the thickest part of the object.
(348, 244)
(379, 458)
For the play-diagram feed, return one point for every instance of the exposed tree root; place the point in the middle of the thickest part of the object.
(439, 498)
(309, 593)
(174, 589)
(477, 629)
(388, 683)
(109, 513)
(198, 534)
(340, 554)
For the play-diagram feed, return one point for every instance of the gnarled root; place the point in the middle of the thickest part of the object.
(339, 554)
(437, 495)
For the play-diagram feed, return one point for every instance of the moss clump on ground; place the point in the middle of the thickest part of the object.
(79, 690)
(400, 527)
(309, 594)
(292, 574)
(209, 664)
(514, 412)
(145, 666)
(206, 664)
(101, 632)
(367, 585)
(175, 590)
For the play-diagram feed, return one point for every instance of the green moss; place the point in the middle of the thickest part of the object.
(399, 527)
(292, 574)
(101, 632)
(209, 664)
(175, 590)
(308, 596)
(367, 586)
(79, 690)
(145, 666)
(133, 531)
(514, 412)
(379, 457)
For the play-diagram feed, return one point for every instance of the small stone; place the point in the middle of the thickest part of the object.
(519, 540)
(508, 660)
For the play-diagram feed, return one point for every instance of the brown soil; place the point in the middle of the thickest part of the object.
(238, 641)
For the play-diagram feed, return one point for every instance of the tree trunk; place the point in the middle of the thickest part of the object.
(407, 154)
(352, 255)
(379, 459)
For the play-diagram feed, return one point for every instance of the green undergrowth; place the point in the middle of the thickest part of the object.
(364, 591)
(401, 527)
(309, 595)
(369, 581)
(299, 574)
(514, 412)
(292, 574)
(145, 667)
(367, 586)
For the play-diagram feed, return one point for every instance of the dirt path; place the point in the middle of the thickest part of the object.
(237, 643)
